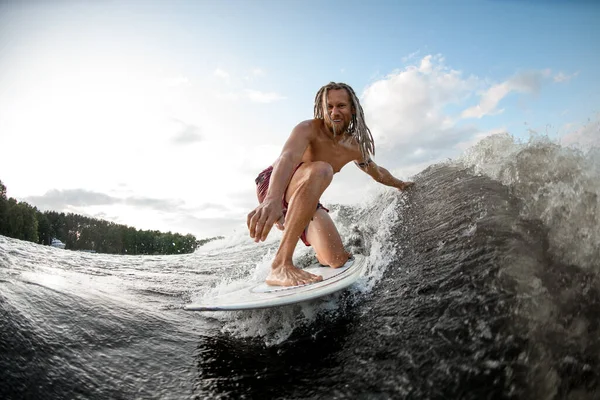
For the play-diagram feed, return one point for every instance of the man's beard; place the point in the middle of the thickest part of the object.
(338, 130)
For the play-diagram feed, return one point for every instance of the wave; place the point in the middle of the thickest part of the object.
(483, 282)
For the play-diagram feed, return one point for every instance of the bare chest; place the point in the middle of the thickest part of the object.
(336, 153)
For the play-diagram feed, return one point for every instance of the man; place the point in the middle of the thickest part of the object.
(289, 190)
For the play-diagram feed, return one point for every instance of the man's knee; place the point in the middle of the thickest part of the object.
(321, 171)
(334, 260)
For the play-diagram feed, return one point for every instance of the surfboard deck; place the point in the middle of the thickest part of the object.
(261, 295)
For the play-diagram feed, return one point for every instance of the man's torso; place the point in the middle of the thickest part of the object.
(337, 151)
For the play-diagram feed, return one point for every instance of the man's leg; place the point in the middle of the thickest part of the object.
(306, 187)
(324, 237)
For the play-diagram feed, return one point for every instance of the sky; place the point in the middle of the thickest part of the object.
(159, 115)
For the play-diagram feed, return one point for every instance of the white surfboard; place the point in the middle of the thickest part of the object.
(265, 296)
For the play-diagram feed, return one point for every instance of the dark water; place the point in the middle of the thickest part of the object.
(483, 284)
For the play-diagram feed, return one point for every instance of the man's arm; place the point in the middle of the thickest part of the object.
(261, 219)
(290, 157)
(382, 175)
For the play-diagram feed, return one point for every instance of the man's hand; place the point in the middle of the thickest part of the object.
(405, 185)
(261, 219)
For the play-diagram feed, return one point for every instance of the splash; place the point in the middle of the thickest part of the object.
(366, 230)
(558, 185)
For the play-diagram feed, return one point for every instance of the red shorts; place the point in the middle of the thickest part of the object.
(262, 187)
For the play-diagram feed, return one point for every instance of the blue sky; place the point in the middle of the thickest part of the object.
(158, 115)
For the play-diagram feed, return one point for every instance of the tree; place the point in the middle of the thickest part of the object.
(3, 210)
(22, 221)
(45, 232)
(78, 232)
(30, 228)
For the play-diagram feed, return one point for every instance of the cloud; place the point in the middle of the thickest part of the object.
(407, 107)
(101, 215)
(222, 74)
(255, 74)
(238, 92)
(57, 199)
(212, 207)
(255, 96)
(231, 96)
(421, 112)
(62, 199)
(263, 97)
(585, 136)
(209, 227)
(411, 56)
(176, 81)
(524, 82)
(562, 77)
(153, 203)
(189, 133)
(207, 219)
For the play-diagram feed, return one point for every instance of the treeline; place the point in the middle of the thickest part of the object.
(20, 220)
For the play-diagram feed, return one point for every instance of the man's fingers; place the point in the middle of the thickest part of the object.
(406, 185)
(254, 218)
(266, 228)
(250, 215)
(280, 223)
(262, 227)
(258, 232)
(261, 220)
(259, 225)
(265, 232)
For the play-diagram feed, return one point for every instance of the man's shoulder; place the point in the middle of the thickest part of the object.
(311, 123)
(310, 126)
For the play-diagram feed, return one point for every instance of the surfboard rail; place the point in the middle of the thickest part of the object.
(259, 296)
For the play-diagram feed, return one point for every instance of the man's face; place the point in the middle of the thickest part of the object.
(338, 110)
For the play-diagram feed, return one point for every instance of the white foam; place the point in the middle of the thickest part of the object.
(558, 185)
(275, 325)
(236, 240)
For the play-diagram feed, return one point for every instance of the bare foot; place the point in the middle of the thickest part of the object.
(288, 275)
